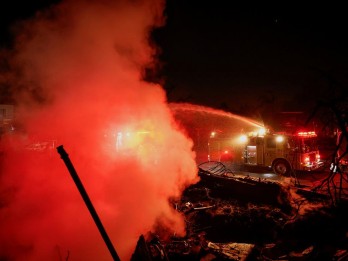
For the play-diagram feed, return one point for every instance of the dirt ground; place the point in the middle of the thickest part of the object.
(239, 218)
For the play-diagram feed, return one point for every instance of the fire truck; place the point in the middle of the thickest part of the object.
(283, 152)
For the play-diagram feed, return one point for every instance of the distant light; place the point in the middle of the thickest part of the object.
(262, 132)
(212, 134)
(243, 138)
(268, 175)
(279, 139)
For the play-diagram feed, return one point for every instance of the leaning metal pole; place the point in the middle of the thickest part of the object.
(88, 202)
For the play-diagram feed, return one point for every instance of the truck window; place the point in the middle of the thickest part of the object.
(309, 144)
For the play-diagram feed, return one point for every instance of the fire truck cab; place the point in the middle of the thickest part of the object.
(283, 152)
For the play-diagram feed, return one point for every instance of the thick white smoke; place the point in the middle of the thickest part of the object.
(78, 70)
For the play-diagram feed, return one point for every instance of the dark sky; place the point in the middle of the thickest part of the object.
(242, 56)
(222, 52)
(11, 11)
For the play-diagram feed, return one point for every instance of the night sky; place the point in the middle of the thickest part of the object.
(241, 57)
(232, 55)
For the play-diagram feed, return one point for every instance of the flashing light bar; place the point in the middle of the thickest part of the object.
(258, 133)
(306, 134)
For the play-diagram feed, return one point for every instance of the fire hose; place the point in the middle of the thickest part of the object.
(88, 202)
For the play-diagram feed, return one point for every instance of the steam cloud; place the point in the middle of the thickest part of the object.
(77, 83)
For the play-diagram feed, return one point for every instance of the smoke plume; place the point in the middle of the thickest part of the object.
(76, 75)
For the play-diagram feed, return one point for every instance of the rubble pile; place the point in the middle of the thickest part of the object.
(240, 218)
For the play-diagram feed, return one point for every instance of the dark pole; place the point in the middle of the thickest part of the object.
(88, 202)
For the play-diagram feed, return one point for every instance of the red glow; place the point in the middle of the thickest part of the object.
(307, 134)
(83, 59)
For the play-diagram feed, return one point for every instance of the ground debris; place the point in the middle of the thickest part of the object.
(234, 218)
(278, 252)
(232, 251)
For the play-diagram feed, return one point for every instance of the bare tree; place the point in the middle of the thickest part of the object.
(333, 113)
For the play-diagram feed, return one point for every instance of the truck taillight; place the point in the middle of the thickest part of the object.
(317, 156)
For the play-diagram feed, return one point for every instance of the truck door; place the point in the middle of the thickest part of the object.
(250, 152)
(260, 150)
(270, 150)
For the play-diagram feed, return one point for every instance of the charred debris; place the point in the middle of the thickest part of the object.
(230, 217)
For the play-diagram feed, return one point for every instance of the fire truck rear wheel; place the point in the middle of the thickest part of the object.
(281, 167)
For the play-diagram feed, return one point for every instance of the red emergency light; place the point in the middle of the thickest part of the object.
(306, 134)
